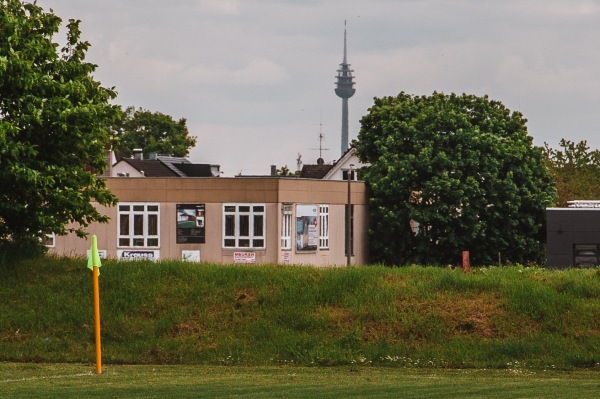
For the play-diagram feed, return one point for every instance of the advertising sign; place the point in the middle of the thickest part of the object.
(138, 254)
(244, 257)
(101, 253)
(190, 223)
(307, 234)
(190, 256)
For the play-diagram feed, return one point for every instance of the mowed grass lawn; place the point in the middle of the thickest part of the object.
(65, 381)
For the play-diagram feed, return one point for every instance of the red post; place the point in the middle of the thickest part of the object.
(466, 262)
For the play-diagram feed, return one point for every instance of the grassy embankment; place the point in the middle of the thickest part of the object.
(178, 313)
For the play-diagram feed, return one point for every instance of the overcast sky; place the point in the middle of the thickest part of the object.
(255, 79)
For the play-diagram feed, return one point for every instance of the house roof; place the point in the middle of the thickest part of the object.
(344, 162)
(315, 171)
(151, 168)
(173, 162)
(195, 169)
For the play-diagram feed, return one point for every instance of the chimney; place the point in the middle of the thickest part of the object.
(138, 153)
(273, 170)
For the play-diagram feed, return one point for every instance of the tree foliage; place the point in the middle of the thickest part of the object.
(576, 171)
(153, 132)
(463, 168)
(53, 127)
(285, 171)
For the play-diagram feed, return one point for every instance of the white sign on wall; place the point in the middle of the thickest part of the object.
(101, 252)
(190, 256)
(138, 254)
(244, 257)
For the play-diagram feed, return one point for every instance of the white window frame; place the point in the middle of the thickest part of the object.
(49, 240)
(323, 226)
(127, 237)
(233, 228)
(286, 226)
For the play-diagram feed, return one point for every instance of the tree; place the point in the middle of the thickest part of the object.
(451, 173)
(285, 171)
(153, 132)
(576, 171)
(53, 128)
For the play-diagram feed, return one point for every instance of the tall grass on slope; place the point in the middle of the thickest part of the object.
(173, 312)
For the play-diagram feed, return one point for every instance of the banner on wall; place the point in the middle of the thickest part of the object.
(307, 233)
(190, 223)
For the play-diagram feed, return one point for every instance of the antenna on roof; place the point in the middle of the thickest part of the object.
(299, 162)
(321, 137)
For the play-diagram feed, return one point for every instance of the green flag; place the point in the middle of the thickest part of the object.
(94, 256)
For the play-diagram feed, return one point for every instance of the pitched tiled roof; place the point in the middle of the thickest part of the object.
(173, 162)
(314, 171)
(151, 168)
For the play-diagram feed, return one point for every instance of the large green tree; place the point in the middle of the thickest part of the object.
(53, 127)
(576, 171)
(153, 132)
(464, 169)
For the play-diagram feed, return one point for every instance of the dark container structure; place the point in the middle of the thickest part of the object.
(573, 235)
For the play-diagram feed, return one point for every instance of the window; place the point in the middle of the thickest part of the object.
(138, 225)
(244, 226)
(586, 255)
(286, 226)
(49, 240)
(323, 226)
(353, 175)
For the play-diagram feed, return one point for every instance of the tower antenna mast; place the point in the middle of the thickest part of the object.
(345, 89)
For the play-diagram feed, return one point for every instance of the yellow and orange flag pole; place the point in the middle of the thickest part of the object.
(94, 264)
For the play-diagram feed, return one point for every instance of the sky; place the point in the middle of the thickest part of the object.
(255, 79)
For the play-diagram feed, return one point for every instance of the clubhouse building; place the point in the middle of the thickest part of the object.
(273, 220)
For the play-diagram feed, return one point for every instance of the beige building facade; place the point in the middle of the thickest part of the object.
(274, 220)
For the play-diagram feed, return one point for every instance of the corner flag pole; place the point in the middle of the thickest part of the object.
(94, 264)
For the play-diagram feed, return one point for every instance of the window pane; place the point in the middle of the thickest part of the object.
(123, 208)
(258, 243)
(244, 209)
(138, 208)
(152, 225)
(138, 225)
(258, 208)
(244, 243)
(230, 208)
(258, 225)
(153, 242)
(124, 227)
(229, 225)
(152, 208)
(244, 225)
(138, 242)
(123, 242)
(230, 243)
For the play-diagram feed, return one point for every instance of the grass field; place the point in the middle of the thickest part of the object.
(65, 381)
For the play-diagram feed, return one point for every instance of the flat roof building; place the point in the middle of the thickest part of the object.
(230, 220)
